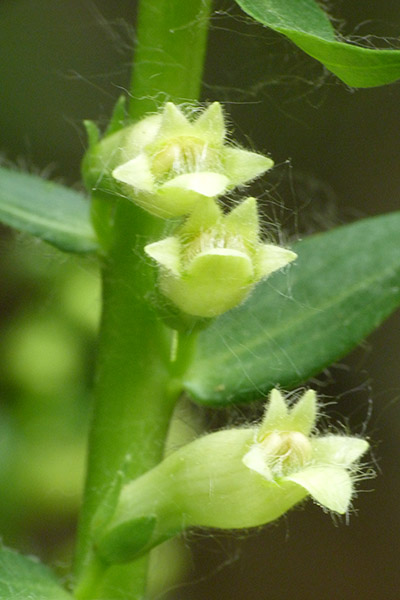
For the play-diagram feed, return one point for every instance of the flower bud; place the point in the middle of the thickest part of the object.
(236, 478)
(213, 261)
(167, 163)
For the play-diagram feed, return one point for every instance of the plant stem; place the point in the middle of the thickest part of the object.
(133, 403)
(170, 51)
(137, 385)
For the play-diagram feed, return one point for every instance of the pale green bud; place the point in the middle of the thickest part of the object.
(213, 261)
(169, 163)
(236, 478)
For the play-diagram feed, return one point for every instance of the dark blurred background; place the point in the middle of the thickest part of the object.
(337, 159)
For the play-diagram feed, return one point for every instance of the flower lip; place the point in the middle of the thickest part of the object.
(204, 183)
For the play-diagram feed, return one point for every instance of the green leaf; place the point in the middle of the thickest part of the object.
(306, 24)
(342, 286)
(24, 578)
(46, 210)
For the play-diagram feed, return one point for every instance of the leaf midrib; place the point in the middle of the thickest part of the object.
(35, 218)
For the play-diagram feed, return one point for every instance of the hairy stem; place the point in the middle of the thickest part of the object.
(137, 384)
(133, 403)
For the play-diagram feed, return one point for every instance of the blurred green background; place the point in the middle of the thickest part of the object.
(337, 159)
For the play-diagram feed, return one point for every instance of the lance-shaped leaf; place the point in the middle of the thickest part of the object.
(306, 24)
(47, 210)
(343, 284)
(24, 577)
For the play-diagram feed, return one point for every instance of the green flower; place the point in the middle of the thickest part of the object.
(236, 478)
(172, 163)
(285, 453)
(214, 260)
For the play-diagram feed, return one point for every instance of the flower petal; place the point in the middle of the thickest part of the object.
(255, 459)
(275, 416)
(242, 166)
(329, 486)
(243, 221)
(211, 124)
(136, 172)
(140, 135)
(206, 214)
(206, 183)
(173, 122)
(166, 253)
(180, 195)
(270, 258)
(303, 415)
(338, 450)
